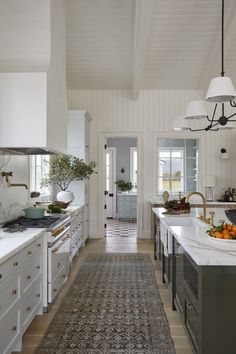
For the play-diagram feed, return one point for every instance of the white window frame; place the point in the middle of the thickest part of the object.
(133, 179)
(35, 170)
(174, 135)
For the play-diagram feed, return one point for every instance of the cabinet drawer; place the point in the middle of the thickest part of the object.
(31, 271)
(9, 295)
(10, 333)
(31, 304)
(192, 322)
(31, 249)
(10, 266)
(55, 287)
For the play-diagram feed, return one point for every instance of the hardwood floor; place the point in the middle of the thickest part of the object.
(39, 325)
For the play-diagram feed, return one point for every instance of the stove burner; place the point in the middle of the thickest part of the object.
(15, 229)
(44, 222)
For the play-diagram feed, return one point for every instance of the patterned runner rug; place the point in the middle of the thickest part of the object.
(113, 307)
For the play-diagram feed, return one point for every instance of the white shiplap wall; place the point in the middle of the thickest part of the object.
(113, 111)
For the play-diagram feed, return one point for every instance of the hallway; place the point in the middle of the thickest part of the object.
(39, 325)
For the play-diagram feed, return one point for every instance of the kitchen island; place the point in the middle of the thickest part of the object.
(202, 281)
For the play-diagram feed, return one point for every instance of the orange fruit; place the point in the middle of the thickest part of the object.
(229, 227)
(228, 237)
(234, 228)
(226, 232)
(219, 234)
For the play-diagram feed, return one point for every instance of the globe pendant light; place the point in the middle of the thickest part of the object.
(220, 90)
(180, 124)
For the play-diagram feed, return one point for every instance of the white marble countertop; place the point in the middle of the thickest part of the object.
(194, 201)
(203, 249)
(11, 243)
(195, 212)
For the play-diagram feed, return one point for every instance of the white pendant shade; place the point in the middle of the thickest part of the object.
(195, 110)
(221, 89)
(180, 123)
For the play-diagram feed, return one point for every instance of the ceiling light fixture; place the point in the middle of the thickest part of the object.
(220, 90)
(180, 123)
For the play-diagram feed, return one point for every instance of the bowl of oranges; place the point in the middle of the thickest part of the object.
(223, 232)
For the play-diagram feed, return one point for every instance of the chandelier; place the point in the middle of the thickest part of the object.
(220, 92)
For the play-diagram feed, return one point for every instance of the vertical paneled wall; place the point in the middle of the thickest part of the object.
(114, 111)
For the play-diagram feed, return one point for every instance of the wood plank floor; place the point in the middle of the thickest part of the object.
(39, 325)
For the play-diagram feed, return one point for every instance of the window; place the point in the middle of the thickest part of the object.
(38, 169)
(177, 166)
(133, 166)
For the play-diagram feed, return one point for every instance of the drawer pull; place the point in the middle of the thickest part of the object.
(38, 267)
(14, 292)
(13, 328)
(58, 264)
(39, 245)
(63, 276)
(15, 264)
(189, 306)
(28, 308)
(29, 253)
(55, 290)
(38, 295)
(28, 277)
(0, 276)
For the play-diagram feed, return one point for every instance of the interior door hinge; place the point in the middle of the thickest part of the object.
(105, 146)
(105, 192)
(105, 226)
(105, 206)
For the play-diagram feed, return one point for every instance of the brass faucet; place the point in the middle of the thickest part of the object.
(203, 200)
(7, 175)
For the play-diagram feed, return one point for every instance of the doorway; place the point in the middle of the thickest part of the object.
(121, 166)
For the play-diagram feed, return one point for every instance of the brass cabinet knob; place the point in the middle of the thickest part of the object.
(38, 267)
(14, 292)
(28, 308)
(39, 244)
(37, 295)
(13, 328)
(55, 290)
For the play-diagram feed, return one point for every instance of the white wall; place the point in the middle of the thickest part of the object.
(114, 111)
(13, 199)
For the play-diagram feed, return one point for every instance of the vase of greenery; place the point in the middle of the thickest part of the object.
(63, 169)
(124, 186)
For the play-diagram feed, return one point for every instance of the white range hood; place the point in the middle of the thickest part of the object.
(33, 102)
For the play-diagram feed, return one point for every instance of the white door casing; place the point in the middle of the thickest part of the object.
(110, 161)
(102, 174)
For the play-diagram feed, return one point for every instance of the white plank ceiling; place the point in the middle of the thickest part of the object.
(142, 44)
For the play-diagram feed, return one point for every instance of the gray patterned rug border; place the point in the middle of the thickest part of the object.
(113, 306)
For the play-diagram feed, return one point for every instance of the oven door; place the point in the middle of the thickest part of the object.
(58, 266)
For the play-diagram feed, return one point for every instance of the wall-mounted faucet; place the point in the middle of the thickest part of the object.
(7, 175)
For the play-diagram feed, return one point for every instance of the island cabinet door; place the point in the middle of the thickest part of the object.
(192, 323)
(178, 292)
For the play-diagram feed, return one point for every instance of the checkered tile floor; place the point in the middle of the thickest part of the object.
(121, 228)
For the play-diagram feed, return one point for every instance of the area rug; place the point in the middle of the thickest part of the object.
(113, 307)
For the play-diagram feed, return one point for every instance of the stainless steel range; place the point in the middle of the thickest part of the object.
(58, 255)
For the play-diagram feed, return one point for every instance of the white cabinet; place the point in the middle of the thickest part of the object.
(76, 231)
(79, 146)
(21, 293)
(127, 206)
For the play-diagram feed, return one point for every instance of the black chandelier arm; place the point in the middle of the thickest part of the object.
(233, 104)
(209, 128)
(213, 116)
(232, 115)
